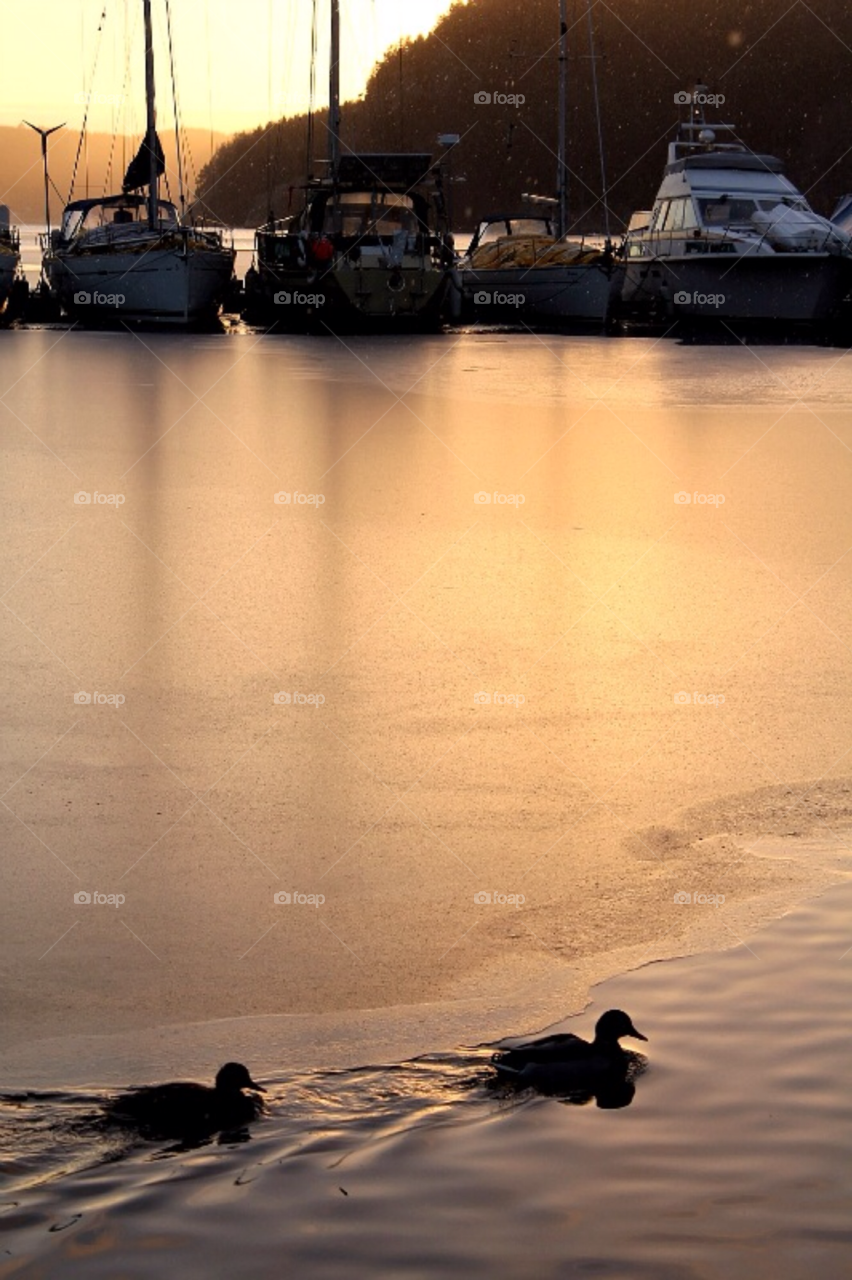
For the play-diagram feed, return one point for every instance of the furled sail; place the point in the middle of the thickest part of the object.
(139, 170)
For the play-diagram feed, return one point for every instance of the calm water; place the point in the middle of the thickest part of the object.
(585, 698)
(731, 1161)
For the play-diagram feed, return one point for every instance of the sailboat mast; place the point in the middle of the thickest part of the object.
(151, 135)
(562, 175)
(334, 93)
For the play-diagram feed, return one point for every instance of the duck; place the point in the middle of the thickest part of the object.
(184, 1109)
(565, 1061)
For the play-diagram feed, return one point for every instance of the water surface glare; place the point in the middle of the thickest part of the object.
(481, 646)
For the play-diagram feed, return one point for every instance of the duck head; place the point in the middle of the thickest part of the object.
(614, 1024)
(234, 1076)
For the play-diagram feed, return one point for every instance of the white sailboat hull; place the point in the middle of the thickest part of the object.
(160, 286)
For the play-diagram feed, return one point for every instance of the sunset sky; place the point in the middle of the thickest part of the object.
(239, 62)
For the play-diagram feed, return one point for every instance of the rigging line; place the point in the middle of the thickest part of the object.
(269, 35)
(594, 62)
(178, 146)
(209, 77)
(101, 23)
(312, 87)
(124, 95)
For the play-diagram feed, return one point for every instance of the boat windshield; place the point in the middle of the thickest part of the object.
(725, 211)
(492, 231)
(79, 222)
(365, 213)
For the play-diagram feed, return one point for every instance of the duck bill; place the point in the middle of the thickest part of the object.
(637, 1035)
(258, 1088)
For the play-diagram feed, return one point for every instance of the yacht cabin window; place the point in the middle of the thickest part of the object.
(725, 210)
(364, 213)
(675, 215)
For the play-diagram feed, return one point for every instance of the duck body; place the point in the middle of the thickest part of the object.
(183, 1110)
(566, 1057)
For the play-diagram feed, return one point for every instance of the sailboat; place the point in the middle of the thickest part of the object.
(131, 257)
(10, 256)
(370, 249)
(524, 267)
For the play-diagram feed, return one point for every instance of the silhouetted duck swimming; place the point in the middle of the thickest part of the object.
(186, 1109)
(562, 1062)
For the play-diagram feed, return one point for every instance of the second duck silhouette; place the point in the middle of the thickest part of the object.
(564, 1062)
(189, 1110)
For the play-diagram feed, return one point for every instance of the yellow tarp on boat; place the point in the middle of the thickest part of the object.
(532, 251)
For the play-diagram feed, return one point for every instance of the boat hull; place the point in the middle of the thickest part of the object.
(560, 295)
(8, 274)
(349, 297)
(163, 286)
(755, 289)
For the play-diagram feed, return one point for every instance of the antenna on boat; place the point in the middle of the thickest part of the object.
(153, 171)
(45, 134)
(334, 94)
(594, 60)
(562, 173)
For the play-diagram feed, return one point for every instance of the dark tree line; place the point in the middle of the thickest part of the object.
(786, 77)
